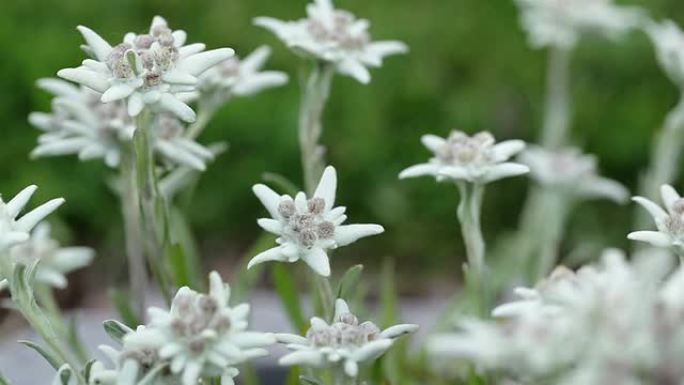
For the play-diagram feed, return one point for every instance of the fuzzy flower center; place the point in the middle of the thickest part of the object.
(198, 321)
(156, 52)
(341, 31)
(307, 227)
(345, 332)
(465, 150)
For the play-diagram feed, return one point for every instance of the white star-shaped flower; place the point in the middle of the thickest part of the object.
(669, 221)
(560, 23)
(147, 69)
(241, 77)
(202, 335)
(475, 159)
(569, 171)
(345, 341)
(15, 230)
(334, 36)
(307, 228)
(55, 261)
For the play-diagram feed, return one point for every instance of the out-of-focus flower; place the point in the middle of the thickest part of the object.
(15, 230)
(147, 69)
(475, 159)
(669, 221)
(615, 322)
(80, 124)
(240, 77)
(344, 342)
(307, 228)
(202, 335)
(569, 171)
(560, 23)
(668, 40)
(55, 261)
(334, 36)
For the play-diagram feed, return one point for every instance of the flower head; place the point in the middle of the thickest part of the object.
(569, 171)
(55, 261)
(560, 23)
(334, 36)
(202, 335)
(613, 322)
(240, 77)
(308, 227)
(669, 221)
(81, 124)
(145, 69)
(668, 40)
(475, 159)
(15, 230)
(345, 341)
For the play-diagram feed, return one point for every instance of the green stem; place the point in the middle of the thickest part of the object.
(130, 209)
(314, 100)
(665, 159)
(25, 302)
(550, 224)
(557, 105)
(152, 204)
(469, 211)
(327, 297)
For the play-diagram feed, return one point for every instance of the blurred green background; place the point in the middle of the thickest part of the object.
(469, 68)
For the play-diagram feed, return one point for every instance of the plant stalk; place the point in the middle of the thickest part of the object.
(469, 212)
(314, 99)
(557, 104)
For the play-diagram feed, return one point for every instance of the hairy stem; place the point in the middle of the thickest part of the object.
(557, 104)
(314, 100)
(665, 157)
(469, 211)
(130, 208)
(327, 297)
(152, 204)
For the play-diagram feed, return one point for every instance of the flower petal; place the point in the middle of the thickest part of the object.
(371, 350)
(346, 234)
(271, 225)
(669, 195)
(177, 107)
(269, 198)
(303, 357)
(16, 204)
(327, 187)
(655, 238)
(398, 330)
(505, 170)
(29, 220)
(200, 62)
(506, 149)
(317, 259)
(273, 254)
(117, 92)
(419, 170)
(99, 46)
(658, 214)
(355, 69)
(88, 78)
(433, 142)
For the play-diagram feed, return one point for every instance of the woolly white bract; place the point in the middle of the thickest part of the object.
(334, 36)
(200, 336)
(308, 228)
(55, 261)
(614, 322)
(14, 230)
(240, 77)
(81, 124)
(344, 342)
(476, 159)
(669, 221)
(147, 69)
(668, 40)
(560, 23)
(570, 172)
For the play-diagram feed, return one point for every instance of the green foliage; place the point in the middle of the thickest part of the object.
(287, 291)
(469, 67)
(44, 352)
(116, 330)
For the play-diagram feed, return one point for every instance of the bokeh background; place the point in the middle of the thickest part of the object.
(469, 68)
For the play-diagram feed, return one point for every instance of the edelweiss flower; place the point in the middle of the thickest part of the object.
(668, 40)
(569, 171)
(616, 322)
(344, 342)
(147, 69)
(55, 261)
(203, 336)
(307, 228)
(81, 124)
(334, 36)
(240, 77)
(560, 23)
(15, 230)
(475, 159)
(669, 222)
